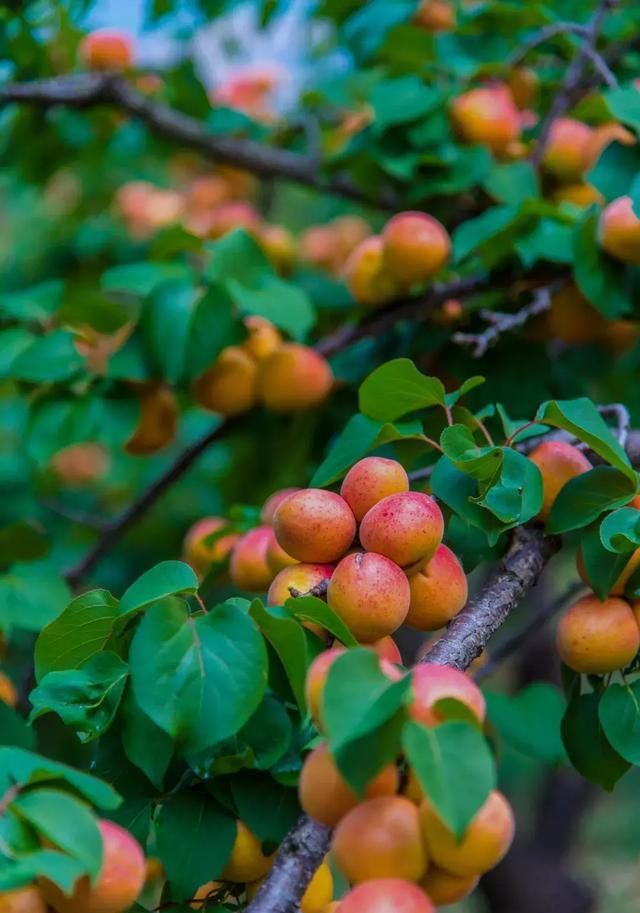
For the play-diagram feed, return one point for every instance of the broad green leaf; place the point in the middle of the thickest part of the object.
(14, 729)
(624, 104)
(530, 720)
(619, 714)
(481, 463)
(587, 746)
(512, 182)
(268, 733)
(166, 315)
(516, 496)
(145, 744)
(141, 278)
(402, 100)
(24, 767)
(49, 359)
(602, 567)
(460, 493)
(21, 541)
(620, 530)
(238, 256)
(311, 608)
(38, 303)
(13, 342)
(396, 388)
(583, 498)
(63, 870)
(214, 324)
(267, 808)
(165, 579)
(281, 302)
(615, 169)
(472, 234)
(31, 596)
(469, 384)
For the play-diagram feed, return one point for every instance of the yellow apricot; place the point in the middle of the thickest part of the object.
(201, 555)
(598, 637)
(22, 900)
(487, 116)
(8, 692)
(264, 338)
(405, 527)
(319, 891)
(415, 246)
(229, 385)
(438, 591)
(445, 888)
(619, 230)
(247, 861)
(157, 422)
(293, 378)
(567, 149)
(368, 278)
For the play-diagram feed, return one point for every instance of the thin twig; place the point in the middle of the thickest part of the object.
(75, 516)
(320, 590)
(543, 35)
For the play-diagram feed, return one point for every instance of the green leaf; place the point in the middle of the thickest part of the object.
(165, 579)
(267, 808)
(311, 608)
(268, 733)
(80, 631)
(141, 278)
(620, 530)
(396, 388)
(473, 234)
(238, 256)
(195, 837)
(402, 100)
(198, 678)
(23, 767)
(530, 720)
(619, 714)
(36, 304)
(583, 498)
(284, 304)
(481, 463)
(454, 767)
(21, 541)
(145, 744)
(598, 276)
(602, 567)
(57, 867)
(615, 170)
(587, 746)
(166, 315)
(14, 729)
(512, 182)
(85, 699)
(49, 359)
(214, 324)
(624, 104)
(31, 596)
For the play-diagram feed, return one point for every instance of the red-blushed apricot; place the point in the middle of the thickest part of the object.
(294, 378)
(107, 49)
(487, 116)
(369, 280)
(597, 637)
(273, 502)
(301, 577)
(277, 558)
(229, 216)
(387, 648)
(248, 568)
(618, 587)
(247, 861)
(370, 480)
(264, 338)
(432, 683)
(22, 900)
(280, 247)
(438, 591)
(602, 136)
(315, 525)
(8, 692)
(319, 891)
(316, 679)
(204, 894)
(81, 464)
(120, 880)
(445, 888)
(415, 246)
(485, 841)
(157, 421)
(619, 230)
(435, 16)
(566, 151)
(380, 838)
(229, 386)
(371, 595)
(200, 554)
(524, 84)
(206, 192)
(580, 194)
(406, 527)
(386, 895)
(572, 318)
(326, 795)
(558, 462)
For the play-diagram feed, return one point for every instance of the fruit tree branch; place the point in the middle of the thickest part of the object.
(541, 36)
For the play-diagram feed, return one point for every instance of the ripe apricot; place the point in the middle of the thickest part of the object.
(558, 462)
(349, 231)
(438, 591)
(204, 893)
(432, 683)
(273, 502)
(107, 49)
(314, 525)
(524, 84)
(566, 151)
(485, 841)
(207, 191)
(294, 378)
(248, 567)
(301, 577)
(264, 338)
(387, 649)
(229, 386)
(81, 464)
(445, 888)
(380, 838)
(580, 194)
(316, 679)
(120, 880)
(319, 891)
(572, 318)
(598, 637)
(435, 16)
(8, 692)
(619, 230)
(618, 587)
(386, 895)
(247, 861)
(370, 480)
(280, 247)
(201, 555)
(416, 246)
(368, 278)
(487, 116)
(326, 795)
(277, 558)
(371, 595)
(406, 527)
(229, 216)
(22, 900)
(157, 421)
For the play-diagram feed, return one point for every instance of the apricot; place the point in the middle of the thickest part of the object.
(435, 16)
(294, 378)
(8, 691)
(229, 216)
(157, 421)
(368, 278)
(380, 838)
(349, 231)
(201, 555)
(300, 577)
(229, 386)
(445, 888)
(619, 231)
(370, 480)
(580, 194)
(318, 246)
(280, 247)
(485, 841)
(247, 861)
(558, 462)
(524, 84)
(264, 338)
(386, 895)
(566, 151)
(277, 558)
(605, 134)
(81, 464)
(248, 567)
(371, 595)
(405, 527)
(319, 891)
(314, 525)
(120, 880)
(153, 870)
(618, 587)
(572, 318)
(326, 795)
(316, 679)
(206, 192)
(22, 900)
(273, 502)
(416, 246)
(597, 637)
(487, 116)
(107, 49)
(438, 591)
(432, 683)
(387, 649)
(620, 336)
(412, 788)
(204, 893)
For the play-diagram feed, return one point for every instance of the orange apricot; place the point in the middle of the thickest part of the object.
(8, 691)
(315, 525)
(597, 637)
(435, 16)
(558, 462)
(294, 378)
(487, 116)
(349, 231)
(386, 895)
(445, 888)
(572, 318)
(432, 683)
(198, 552)
(248, 568)
(120, 880)
(107, 49)
(387, 649)
(277, 558)
(22, 900)
(524, 84)
(438, 591)
(273, 502)
(280, 247)
(580, 194)
(485, 842)
(326, 795)
(207, 191)
(371, 595)
(316, 679)
(301, 577)
(368, 278)
(319, 891)
(204, 894)
(247, 861)
(566, 151)
(416, 246)
(264, 338)
(370, 480)
(81, 464)
(380, 838)
(619, 231)
(229, 385)
(232, 215)
(405, 527)
(157, 421)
